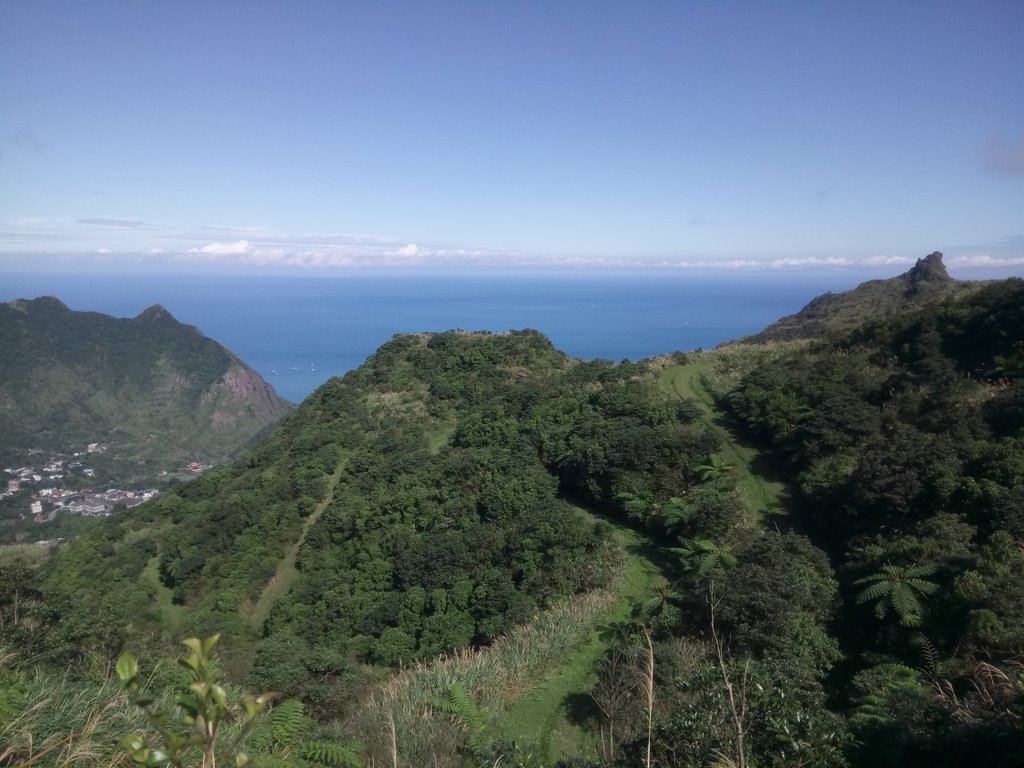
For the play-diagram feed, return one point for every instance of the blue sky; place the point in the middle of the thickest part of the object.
(343, 135)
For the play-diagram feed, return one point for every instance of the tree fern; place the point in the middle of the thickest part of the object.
(675, 513)
(714, 467)
(278, 742)
(329, 755)
(898, 590)
(705, 556)
(875, 706)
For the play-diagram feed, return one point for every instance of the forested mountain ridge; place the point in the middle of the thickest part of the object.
(461, 490)
(428, 490)
(923, 284)
(149, 388)
(905, 439)
(443, 462)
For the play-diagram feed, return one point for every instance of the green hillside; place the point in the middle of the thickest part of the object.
(923, 284)
(474, 550)
(153, 393)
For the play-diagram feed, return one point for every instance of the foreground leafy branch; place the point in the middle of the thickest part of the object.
(204, 710)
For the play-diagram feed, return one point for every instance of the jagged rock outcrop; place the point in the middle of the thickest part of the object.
(927, 272)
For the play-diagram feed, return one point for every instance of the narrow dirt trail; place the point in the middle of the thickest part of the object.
(285, 574)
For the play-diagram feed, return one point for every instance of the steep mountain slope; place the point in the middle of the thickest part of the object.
(414, 506)
(923, 284)
(149, 388)
(870, 615)
(905, 439)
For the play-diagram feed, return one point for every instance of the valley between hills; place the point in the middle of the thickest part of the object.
(801, 549)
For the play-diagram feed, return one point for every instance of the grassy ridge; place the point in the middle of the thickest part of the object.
(761, 492)
(173, 614)
(522, 683)
(539, 715)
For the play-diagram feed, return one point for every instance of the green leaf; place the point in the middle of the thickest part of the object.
(219, 696)
(133, 743)
(209, 643)
(193, 644)
(251, 708)
(127, 669)
(188, 703)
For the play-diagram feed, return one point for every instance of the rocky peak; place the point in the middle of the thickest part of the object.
(930, 269)
(926, 273)
(156, 313)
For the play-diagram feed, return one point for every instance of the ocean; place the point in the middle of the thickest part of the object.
(298, 331)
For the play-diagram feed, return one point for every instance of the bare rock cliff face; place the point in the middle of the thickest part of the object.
(927, 272)
(248, 388)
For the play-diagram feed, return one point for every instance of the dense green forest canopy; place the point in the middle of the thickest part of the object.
(905, 439)
(861, 606)
(430, 490)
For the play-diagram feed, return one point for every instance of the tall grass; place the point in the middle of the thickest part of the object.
(52, 722)
(48, 720)
(23, 554)
(403, 714)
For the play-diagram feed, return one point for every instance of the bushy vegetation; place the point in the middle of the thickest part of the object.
(905, 441)
(418, 548)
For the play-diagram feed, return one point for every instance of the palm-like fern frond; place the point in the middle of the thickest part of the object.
(278, 741)
(714, 467)
(898, 590)
(465, 710)
(675, 513)
(329, 755)
(705, 556)
(283, 726)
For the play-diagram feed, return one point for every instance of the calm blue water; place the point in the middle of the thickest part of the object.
(299, 331)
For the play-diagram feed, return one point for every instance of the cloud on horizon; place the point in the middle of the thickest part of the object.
(115, 223)
(109, 242)
(249, 254)
(225, 249)
(985, 260)
(879, 261)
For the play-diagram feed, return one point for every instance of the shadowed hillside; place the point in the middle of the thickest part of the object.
(150, 389)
